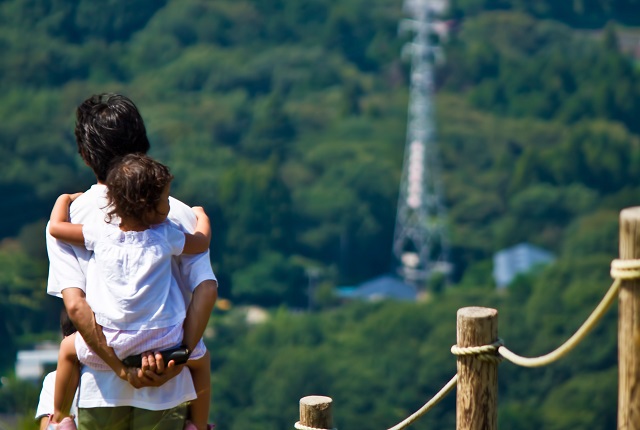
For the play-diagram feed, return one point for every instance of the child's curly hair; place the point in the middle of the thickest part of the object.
(134, 187)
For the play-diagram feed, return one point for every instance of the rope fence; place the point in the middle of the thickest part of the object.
(427, 406)
(491, 354)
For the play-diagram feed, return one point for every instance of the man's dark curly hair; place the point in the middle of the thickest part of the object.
(108, 126)
(134, 187)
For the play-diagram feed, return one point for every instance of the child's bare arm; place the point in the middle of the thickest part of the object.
(198, 241)
(59, 225)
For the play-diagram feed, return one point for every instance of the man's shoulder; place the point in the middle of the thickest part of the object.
(181, 215)
(90, 205)
(177, 204)
(94, 192)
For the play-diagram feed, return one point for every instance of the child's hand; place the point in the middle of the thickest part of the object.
(199, 211)
(200, 240)
(75, 196)
(70, 197)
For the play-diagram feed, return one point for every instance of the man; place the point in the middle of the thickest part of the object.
(109, 126)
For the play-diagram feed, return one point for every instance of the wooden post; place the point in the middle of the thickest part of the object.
(629, 326)
(315, 412)
(477, 394)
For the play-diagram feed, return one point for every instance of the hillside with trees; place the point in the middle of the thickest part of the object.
(286, 121)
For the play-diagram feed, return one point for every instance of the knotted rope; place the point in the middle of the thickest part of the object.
(494, 353)
(488, 353)
(620, 270)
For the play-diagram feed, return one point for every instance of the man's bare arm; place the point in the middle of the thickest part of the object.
(83, 318)
(155, 371)
(198, 313)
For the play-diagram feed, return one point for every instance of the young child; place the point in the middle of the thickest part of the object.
(133, 252)
(45, 403)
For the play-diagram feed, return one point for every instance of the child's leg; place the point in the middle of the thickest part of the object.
(67, 377)
(201, 374)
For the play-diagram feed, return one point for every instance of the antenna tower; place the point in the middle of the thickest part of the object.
(420, 245)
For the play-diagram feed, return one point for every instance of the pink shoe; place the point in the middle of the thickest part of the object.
(188, 425)
(67, 423)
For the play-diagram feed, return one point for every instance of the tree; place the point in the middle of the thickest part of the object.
(25, 309)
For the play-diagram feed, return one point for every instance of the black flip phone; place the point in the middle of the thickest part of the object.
(180, 355)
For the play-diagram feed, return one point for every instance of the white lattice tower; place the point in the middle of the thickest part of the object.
(420, 245)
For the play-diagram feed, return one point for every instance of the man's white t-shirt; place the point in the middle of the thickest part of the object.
(73, 267)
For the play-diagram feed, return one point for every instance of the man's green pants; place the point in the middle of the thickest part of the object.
(129, 418)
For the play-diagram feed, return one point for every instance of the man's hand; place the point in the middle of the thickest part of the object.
(82, 317)
(130, 374)
(153, 372)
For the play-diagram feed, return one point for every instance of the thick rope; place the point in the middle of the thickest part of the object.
(620, 270)
(625, 269)
(427, 406)
(488, 353)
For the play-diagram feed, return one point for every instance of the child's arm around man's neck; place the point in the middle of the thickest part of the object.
(59, 225)
(201, 238)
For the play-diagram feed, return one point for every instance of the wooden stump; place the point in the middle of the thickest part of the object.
(315, 412)
(477, 394)
(629, 326)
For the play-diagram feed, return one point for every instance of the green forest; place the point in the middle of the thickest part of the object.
(286, 121)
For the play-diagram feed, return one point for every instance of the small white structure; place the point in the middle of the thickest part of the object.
(510, 262)
(256, 315)
(31, 364)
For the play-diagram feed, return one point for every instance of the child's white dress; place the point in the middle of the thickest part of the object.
(137, 301)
